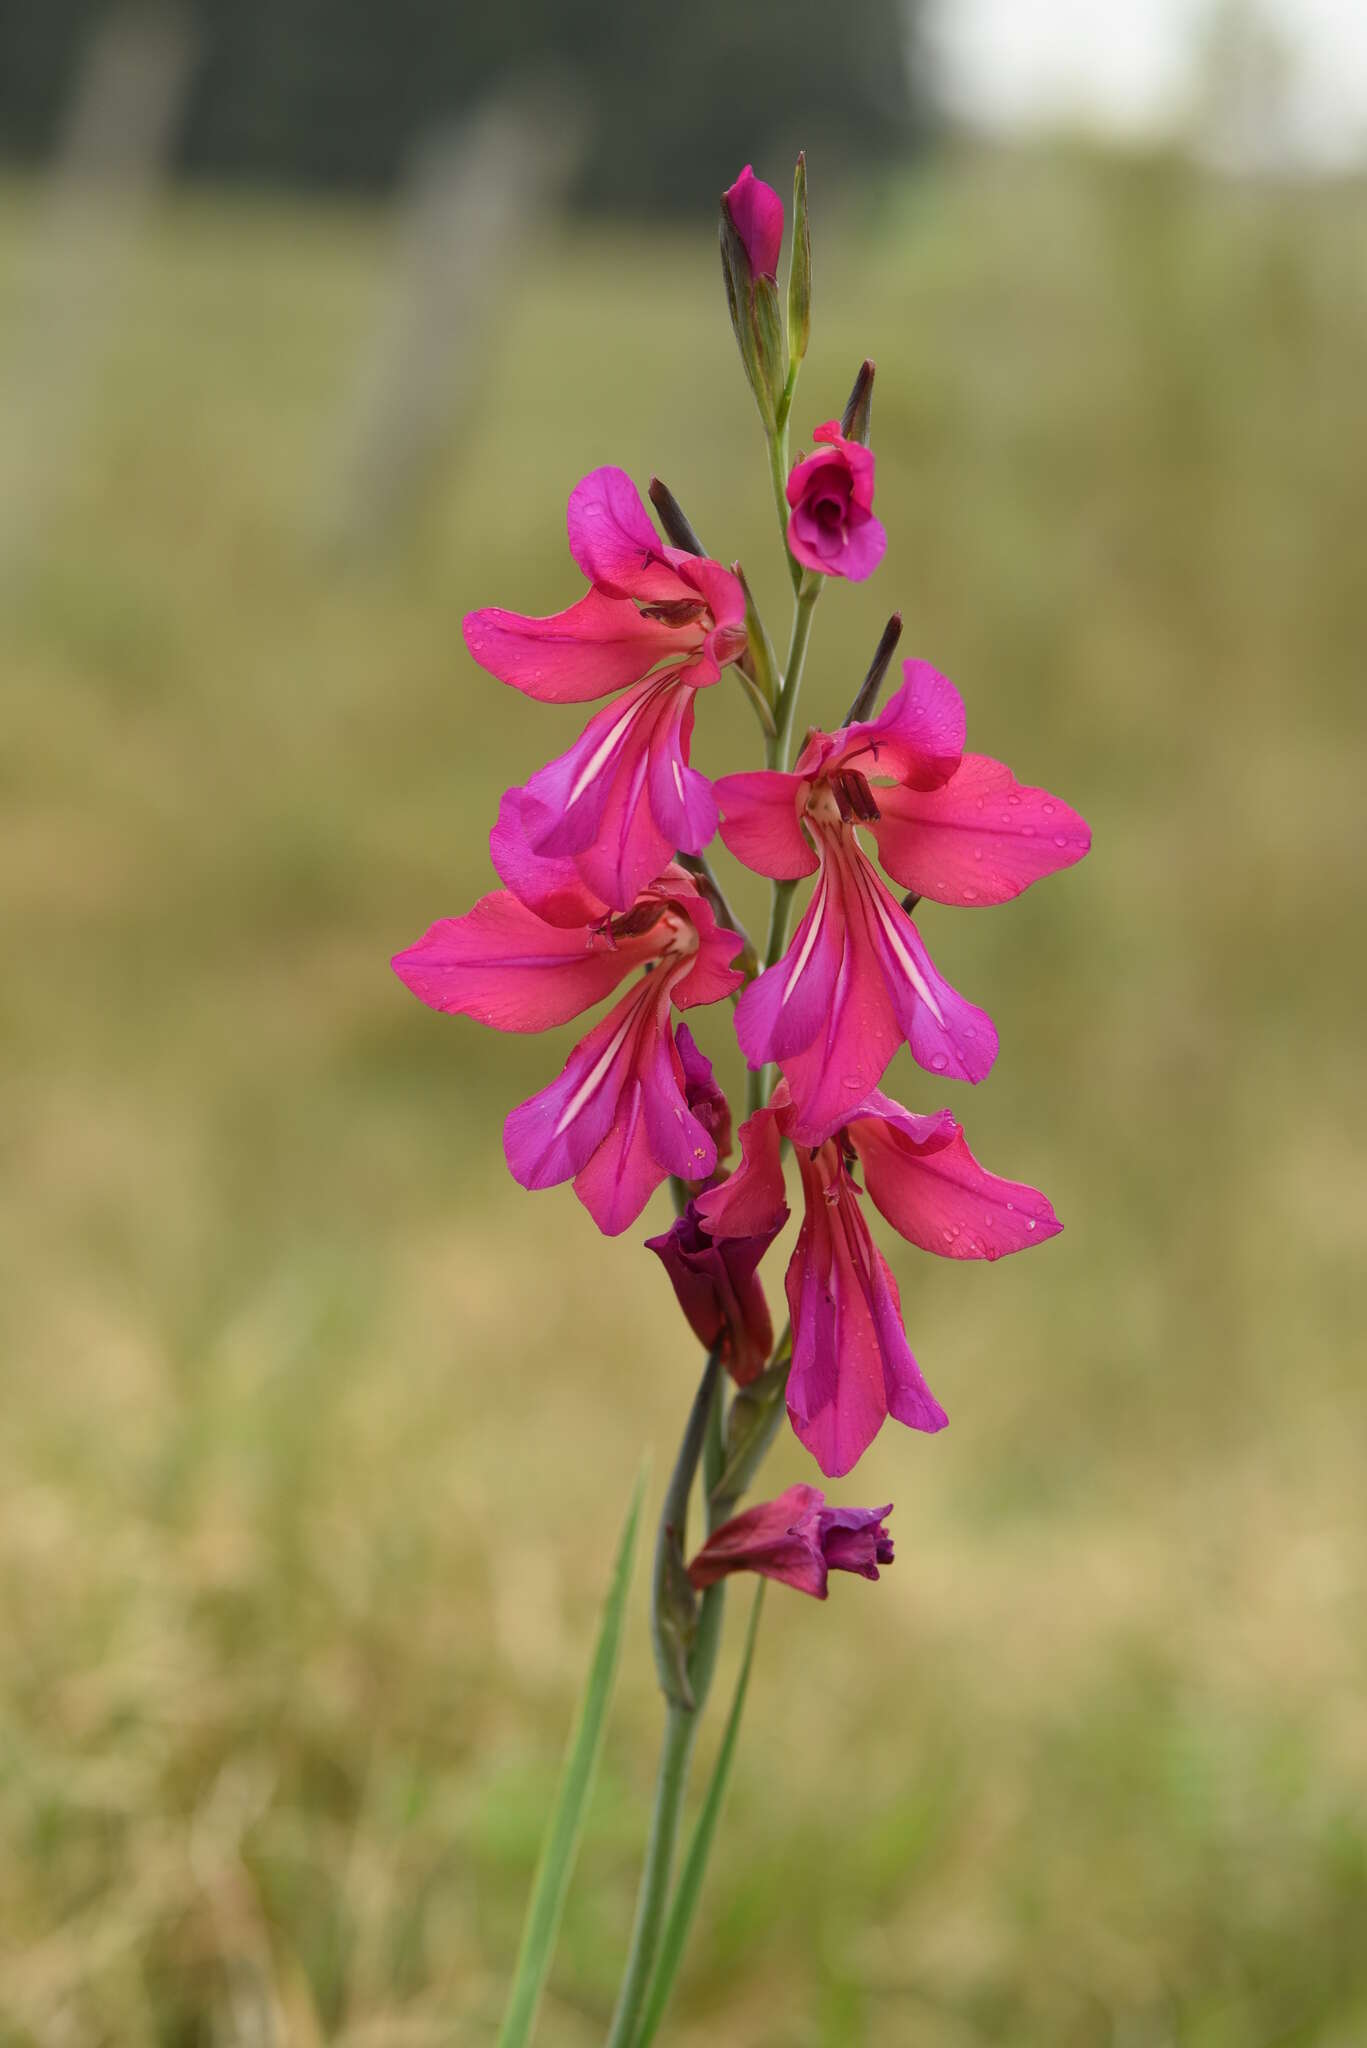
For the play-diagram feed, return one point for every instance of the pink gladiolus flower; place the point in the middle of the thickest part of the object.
(618, 1120)
(718, 1290)
(756, 214)
(657, 624)
(852, 1366)
(857, 979)
(831, 527)
(798, 1540)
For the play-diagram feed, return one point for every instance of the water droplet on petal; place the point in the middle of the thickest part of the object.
(1010, 1205)
(977, 853)
(1060, 839)
(1027, 831)
(1014, 797)
(1029, 1222)
(970, 895)
(940, 1062)
(1048, 810)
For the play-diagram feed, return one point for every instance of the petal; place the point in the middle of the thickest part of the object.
(653, 1133)
(947, 1034)
(865, 545)
(752, 1202)
(909, 1399)
(711, 975)
(682, 801)
(593, 801)
(502, 965)
(550, 1137)
(837, 1397)
(982, 837)
(600, 644)
(614, 542)
(917, 738)
(760, 824)
(824, 1012)
(938, 1197)
(757, 216)
(549, 884)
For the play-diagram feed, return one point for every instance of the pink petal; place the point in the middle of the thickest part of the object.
(852, 1365)
(711, 975)
(757, 216)
(549, 884)
(865, 545)
(760, 825)
(502, 965)
(824, 1012)
(791, 1003)
(681, 800)
(982, 837)
(593, 801)
(614, 543)
(752, 1202)
(778, 1539)
(917, 738)
(549, 1138)
(947, 1034)
(653, 1134)
(600, 644)
(937, 1196)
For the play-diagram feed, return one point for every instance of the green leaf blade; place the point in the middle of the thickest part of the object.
(560, 1844)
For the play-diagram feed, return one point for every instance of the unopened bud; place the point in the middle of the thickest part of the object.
(751, 236)
(854, 421)
(866, 696)
(800, 269)
(674, 519)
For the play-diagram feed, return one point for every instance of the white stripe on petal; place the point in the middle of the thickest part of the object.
(888, 921)
(818, 913)
(590, 1086)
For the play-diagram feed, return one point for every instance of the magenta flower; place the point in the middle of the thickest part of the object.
(798, 1540)
(756, 213)
(831, 527)
(857, 980)
(852, 1366)
(718, 1290)
(618, 1120)
(657, 624)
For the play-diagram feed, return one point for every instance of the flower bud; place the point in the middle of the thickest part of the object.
(854, 421)
(756, 213)
(674, 519)
(751, 235)
(798, 1540)
(719, 1292)
(800, 269)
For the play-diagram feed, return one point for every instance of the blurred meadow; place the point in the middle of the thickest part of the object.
(317, 1431)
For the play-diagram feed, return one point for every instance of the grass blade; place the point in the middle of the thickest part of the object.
(565, 1825)
(685, 1900)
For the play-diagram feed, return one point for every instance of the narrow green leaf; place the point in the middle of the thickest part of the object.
(561, 1842)
(684, 1903)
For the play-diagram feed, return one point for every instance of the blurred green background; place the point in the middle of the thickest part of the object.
(317, 1431)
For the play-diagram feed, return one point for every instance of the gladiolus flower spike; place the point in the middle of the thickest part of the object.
(610, 903)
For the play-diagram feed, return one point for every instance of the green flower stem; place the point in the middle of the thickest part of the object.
(809, 590)
(680, 1729)
(778, 471)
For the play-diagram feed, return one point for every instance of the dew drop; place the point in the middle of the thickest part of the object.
(1060, 839)
(1014, 797)
(1010, 1205)
(940, 1062)
(970, 895)
(1029, 1222)
(1048, 810)
(1027, 831)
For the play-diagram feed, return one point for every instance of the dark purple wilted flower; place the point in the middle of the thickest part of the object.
(798, 1540)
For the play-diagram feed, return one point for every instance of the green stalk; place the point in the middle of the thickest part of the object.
(778, 472)
(680, 1730)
